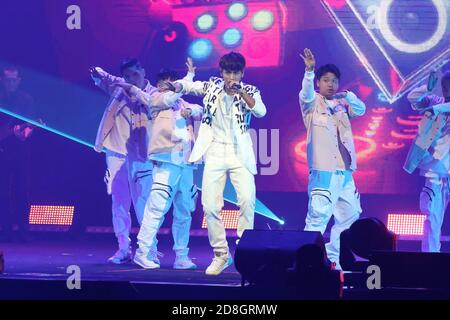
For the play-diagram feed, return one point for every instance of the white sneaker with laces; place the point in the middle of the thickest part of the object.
(147, 261)
(184, 263)
(121, 256)
(219, 263)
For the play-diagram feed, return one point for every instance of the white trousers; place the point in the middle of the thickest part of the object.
(434, 200)
(128, 181)
(171, 184)
(221, 161)
(332, 194)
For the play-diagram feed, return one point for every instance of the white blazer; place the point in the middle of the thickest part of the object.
(213, 91)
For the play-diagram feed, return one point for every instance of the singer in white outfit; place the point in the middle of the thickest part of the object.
(330, 151)
(225, 142)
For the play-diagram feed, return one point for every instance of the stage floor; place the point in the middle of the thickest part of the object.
(44, 259)
(38, 270)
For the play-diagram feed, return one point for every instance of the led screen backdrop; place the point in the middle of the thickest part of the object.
(384, 48)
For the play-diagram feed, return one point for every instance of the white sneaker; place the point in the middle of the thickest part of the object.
(154, 256)
(184, 263)
(219, 263)
(121, 256)
(146, 261)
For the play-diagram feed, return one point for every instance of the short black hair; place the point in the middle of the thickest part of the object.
(232, 61)
(167, 74)
(445, 80)
(328, 68)
(129, 63)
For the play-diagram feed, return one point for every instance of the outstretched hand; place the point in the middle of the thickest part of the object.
(340, 95)
(309, 59)
(94, 73)
(190, 65)
(186, 112)
(23, 131)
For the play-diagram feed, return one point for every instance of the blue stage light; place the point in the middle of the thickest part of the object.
(200, 49)
(232, 37)
(229, 195)
(205, 23)
(237, 11)
(262, 20)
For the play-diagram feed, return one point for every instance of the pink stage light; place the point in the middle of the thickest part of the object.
(406, 224)
(229, 217)
(254, 28)
(51, 215)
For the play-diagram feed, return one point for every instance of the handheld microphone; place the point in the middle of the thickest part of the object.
(236, 86)
(432, 80)
(340, 95)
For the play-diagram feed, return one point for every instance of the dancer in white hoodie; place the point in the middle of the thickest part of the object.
(330, 151)
(124, 133)
(430, 153)
(173, 178)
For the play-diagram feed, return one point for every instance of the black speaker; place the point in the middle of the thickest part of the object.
(357, 243)
(266, 253)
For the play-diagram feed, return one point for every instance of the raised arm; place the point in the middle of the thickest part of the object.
(196, 88)
(422, 100)
(187, 85)
(307, 95)
(191, 70)
(104, 80)
(442, 107)
(156, 99)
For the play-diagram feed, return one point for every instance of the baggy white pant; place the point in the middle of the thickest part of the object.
(222, 160)
(332, 193)
(434, 200)
(171, 184)
(128, 181)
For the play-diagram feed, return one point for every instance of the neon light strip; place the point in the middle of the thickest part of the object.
(407, 122)
(402, 136)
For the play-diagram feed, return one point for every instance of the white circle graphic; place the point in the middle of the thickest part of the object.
(403, 46)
